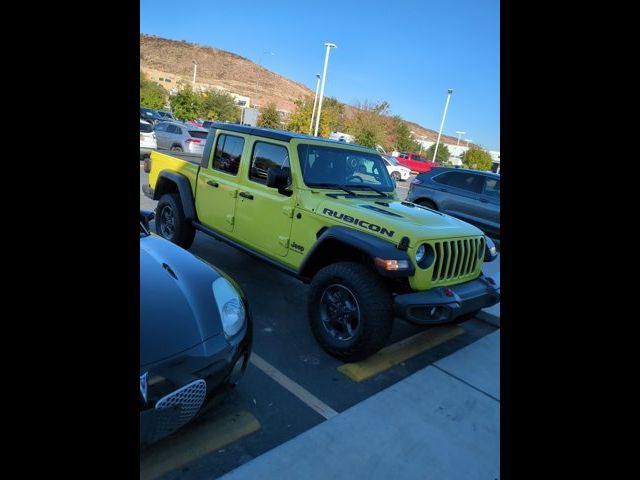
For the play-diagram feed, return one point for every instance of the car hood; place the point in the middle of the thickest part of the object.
(177, 308)
(392, 219)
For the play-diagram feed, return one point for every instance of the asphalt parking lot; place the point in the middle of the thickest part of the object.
(291, 384)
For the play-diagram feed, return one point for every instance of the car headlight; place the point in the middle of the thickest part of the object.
(230, 306)
(425, 255)
(490, 252)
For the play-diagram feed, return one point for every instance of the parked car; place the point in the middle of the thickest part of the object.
(195, 334)
(150, 115)
(415, 162)
(166, 115)
(470, 195)
(397, 171)
(180, 137)
(147, 138)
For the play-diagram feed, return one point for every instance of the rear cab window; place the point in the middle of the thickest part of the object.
(464, 181)
(228, 153)
(492, 187)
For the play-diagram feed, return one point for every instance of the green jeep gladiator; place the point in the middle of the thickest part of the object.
(327, 213)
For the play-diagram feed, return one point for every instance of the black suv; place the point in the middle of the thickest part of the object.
(151, 115)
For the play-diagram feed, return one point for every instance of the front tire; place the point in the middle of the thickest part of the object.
(171, 223)
(349, 310)
(176, 148)
(396, 176)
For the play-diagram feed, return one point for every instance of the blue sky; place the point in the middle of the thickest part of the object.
(407, 52)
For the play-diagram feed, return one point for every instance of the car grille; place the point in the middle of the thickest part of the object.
(456, 258)
(186, 401)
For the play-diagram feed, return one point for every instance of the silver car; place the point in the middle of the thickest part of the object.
(180, 137)
(470, 195)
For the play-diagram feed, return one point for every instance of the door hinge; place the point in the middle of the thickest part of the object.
(229, 217)
(233, 193)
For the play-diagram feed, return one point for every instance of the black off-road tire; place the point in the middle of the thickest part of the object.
(180, 231)
(374, 306)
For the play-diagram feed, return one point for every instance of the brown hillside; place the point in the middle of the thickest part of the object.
(235, 73)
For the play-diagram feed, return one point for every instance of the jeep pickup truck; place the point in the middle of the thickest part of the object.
(327, 213)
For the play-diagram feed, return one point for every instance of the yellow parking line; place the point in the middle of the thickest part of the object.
(195, 441)
(399, 352)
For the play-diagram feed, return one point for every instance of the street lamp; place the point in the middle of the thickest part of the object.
(195, 69)
(444, 114)
(315, 100)
(324, 78)
(459, 135)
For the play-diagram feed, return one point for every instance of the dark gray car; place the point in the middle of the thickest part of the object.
(470, 195)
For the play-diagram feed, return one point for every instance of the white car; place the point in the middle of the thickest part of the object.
(147, 138)
(397, 171)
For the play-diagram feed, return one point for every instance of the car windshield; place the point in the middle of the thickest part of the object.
(198, 134)
(145, 127)
(391, 160)
(326, 167)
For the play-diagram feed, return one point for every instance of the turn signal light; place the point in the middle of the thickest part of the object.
(392, 264)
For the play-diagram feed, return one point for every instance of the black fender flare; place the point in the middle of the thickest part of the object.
(184, 190)
(368, 244)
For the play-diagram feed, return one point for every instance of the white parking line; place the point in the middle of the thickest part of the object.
(307, 397)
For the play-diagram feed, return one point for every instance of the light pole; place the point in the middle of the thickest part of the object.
(459, 135)
(324, 78)
(468, 141)
(195, 69)
(446, 105)
(315, 100)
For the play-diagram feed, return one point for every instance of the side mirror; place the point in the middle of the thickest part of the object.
(145, 217)
(278, 177)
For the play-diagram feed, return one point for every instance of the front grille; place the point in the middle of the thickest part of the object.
(456, 258)
(184, 403)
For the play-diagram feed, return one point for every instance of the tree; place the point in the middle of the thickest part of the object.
(442, 155)
(477, 158)
(186, 104)
(403, 140)
(220, 106)
(152, 95)
(331, 117)
(367, 124)
(269, 117)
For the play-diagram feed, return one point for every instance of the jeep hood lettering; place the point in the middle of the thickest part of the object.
(393, 219)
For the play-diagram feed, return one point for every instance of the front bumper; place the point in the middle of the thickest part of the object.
(169, 407)
(445, 304)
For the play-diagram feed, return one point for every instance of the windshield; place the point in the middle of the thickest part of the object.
(145, 127)
(198, 134)
(329, 166)
(391, 160)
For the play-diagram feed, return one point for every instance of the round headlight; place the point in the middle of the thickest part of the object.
(230, 306)
(420, 253)
(425, 255)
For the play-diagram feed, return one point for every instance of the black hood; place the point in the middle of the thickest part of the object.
(177, 308)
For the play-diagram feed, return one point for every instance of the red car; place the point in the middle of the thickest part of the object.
(416, 162)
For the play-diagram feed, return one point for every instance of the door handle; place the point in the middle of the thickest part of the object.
(248, 196)
(212, 183)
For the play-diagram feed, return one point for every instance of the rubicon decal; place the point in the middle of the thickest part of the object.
(361, 223)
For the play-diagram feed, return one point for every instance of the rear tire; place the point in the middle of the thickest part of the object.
(428, 204)
(176, 148)
(349, 310)
(171, 223)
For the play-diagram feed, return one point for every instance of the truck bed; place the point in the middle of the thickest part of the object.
(184, 163)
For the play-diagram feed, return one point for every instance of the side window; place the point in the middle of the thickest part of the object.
(228, 153)
(466, 181)
(266, 156)
(171, 129)
(492, 187)
(442, 178)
